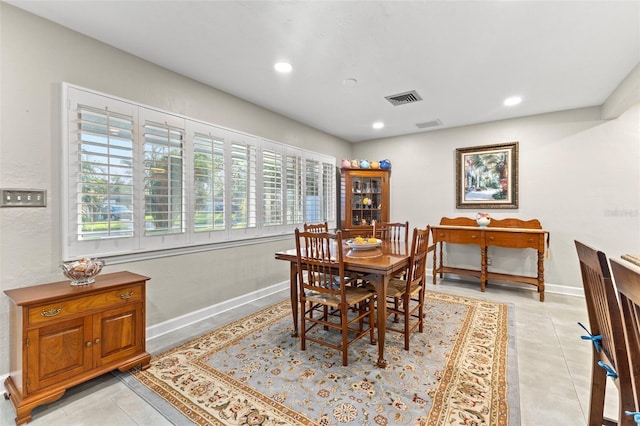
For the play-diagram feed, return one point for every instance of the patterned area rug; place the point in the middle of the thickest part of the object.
(460, 371)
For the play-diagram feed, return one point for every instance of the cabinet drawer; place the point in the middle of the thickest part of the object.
(457, 236)
(514, 240)
(55, 311)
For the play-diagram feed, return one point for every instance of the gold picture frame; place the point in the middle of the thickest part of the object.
(487, 177)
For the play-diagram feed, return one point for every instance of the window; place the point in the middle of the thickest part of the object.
(140, 180)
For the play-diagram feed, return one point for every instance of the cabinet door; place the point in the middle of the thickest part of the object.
(118, 333)
(366, 198)
(58, 352)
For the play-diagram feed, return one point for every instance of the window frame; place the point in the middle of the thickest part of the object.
(144, 244)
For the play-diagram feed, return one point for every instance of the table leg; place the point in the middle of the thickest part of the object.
(541, 274)
(483, 267)
(434, 272)
(293, 283)
(381, 283)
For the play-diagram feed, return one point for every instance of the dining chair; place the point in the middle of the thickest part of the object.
(391, 231)
(607, 334)
(316, 227)
(325, 298)
(405, 296)
(627, 279)
(363, 231)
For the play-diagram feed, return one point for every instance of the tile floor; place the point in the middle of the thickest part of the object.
(553, 366)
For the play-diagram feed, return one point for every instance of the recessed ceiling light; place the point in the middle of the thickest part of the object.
(514, 100)
(283, 67)
(378, 125)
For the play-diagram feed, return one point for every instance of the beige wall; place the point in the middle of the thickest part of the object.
(36, 57)
(579, 175)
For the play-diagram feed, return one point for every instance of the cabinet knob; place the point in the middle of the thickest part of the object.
(126, 296)
(51, 312)
(492, 238)
(88, 344)
(530, 240)
(473, 237)
(96, 341)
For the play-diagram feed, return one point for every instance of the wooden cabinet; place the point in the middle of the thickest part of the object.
(63, 335)
(509, 233)
(364, 197)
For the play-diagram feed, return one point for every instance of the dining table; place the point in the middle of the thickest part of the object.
(379, 264)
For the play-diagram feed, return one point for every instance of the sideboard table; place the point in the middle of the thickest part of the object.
(63, 335)
(508, 233)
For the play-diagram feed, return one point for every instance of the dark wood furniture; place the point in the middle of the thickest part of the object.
(627, 279)
(316, 227)
(393, 231)
(63, 335)
(509, 233)
(380, 265)
(607, 332)
(325, 298)
(364, 197)
(406, 295)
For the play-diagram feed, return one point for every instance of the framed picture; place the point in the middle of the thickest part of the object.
(487, 177)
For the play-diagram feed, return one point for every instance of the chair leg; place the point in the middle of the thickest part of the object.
(421, 310)
(372, 320)
(407, 319)
(598, 388)
(345, 336)
(303, 326)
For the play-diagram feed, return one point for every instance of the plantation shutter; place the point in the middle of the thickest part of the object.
(163, 178)
(295, 194)
(272, 204)
(209, 183)
(313, 212)
(243, 185)
(329, 191)
(104, 190)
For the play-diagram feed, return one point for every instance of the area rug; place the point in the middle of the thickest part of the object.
(460, 371)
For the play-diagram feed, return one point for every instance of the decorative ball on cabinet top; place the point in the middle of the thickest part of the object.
(346, 163)
(355, 164)
(385, 164)
(364, 164)
(374, 164)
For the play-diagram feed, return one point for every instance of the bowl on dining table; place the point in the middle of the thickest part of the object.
(364, 243)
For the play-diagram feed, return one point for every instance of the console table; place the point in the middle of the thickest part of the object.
(508, 233)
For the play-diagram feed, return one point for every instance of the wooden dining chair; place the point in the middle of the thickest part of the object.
(391, 231)
(316, 227)
(325, 298)
(405, 296)
(627, 279)
(607, 333)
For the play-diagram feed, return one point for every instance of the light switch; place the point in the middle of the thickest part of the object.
(23, 198)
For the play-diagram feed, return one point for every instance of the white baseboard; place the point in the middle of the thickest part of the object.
(168, 326)
(548, 288)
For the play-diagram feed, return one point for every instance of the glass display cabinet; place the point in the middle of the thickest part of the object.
(364, 197)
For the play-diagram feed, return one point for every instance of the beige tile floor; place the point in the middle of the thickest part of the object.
(553, 366)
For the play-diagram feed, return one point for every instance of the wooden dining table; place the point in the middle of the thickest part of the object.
(378, 264)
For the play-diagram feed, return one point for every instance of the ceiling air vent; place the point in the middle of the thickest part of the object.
(427, 124)
(404, 98)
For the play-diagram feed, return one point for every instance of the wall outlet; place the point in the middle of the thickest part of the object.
(488, 261)
(23, 198)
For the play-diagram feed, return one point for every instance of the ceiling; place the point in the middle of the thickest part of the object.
(462, 57)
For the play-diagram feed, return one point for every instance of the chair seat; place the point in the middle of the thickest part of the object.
(353, 295)
(397, 287)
